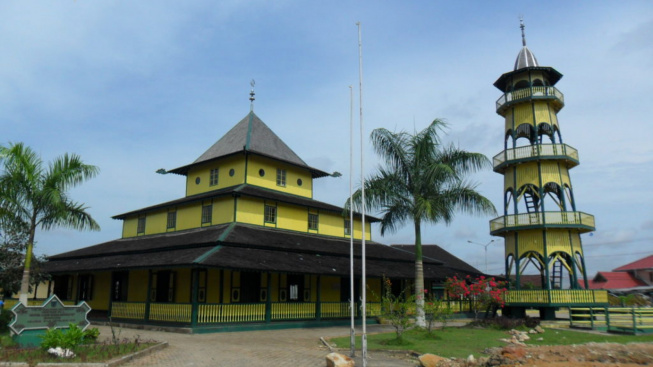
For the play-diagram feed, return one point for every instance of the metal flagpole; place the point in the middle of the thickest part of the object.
(352, 304)
(363, 285)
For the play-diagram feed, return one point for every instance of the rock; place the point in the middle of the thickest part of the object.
(430, 360)
(531, 331)
(339, 360)
(539, 329)
(471, 359)
(523, 337)
(539, 339)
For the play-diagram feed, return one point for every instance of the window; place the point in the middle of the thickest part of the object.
(281, 177)
(140, 228)
(213, 180)
(270, 215)
(207, 211)
(347, 227)
(172, 220)
(85, 288)
(312, 221)
(120, 280)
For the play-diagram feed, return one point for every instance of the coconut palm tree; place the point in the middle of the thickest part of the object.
(422, 181)
(38, 197)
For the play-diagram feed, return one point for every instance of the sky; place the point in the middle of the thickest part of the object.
(136, 86)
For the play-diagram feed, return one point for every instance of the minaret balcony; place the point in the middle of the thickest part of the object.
(535, 152)
(525, 94)
(583, 222)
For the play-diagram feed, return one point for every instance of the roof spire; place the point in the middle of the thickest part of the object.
(522, 26)
(251, 96)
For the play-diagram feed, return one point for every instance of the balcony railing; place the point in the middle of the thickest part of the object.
(557, 297)
(532, 92)
(582, 221)
(535, 152)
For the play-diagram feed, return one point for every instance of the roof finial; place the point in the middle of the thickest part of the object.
(522, 26)
(251, 96)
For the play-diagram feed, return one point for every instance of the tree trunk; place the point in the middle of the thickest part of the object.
(420, 319)
(24, 284)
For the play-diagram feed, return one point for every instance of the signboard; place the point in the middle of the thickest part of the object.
(51, 315)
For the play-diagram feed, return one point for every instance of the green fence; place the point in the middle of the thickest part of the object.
(631, 320)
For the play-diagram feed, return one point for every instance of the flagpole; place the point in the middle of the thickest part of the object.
(352, 306)
(363, 274)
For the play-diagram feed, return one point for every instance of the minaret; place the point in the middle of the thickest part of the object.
(541, 224)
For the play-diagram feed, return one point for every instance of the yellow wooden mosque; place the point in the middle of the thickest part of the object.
(541, 225)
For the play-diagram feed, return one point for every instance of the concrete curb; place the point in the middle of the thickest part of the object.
(112, 363)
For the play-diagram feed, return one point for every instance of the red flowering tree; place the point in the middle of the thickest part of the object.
(481, 291)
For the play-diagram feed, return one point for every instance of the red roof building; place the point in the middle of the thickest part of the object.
(638, 273)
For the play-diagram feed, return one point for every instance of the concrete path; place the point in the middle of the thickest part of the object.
(289, 347)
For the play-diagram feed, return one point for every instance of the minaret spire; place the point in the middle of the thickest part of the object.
(251, 96)
(523, 35)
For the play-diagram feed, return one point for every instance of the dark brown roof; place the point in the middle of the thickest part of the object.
(251, 135)
(245, 190)
(452, 265)
(243, 247)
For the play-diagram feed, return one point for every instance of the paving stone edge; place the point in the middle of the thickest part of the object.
(112, 363)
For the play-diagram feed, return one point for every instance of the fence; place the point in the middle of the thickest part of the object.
(616, 319)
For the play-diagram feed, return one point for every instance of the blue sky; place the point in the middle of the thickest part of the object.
(137, 86)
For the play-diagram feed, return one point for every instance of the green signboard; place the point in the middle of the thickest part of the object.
(51, 315)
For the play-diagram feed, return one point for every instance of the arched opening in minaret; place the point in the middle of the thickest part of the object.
(510, 266)
(508, 198)
(569, 197)
(561, 274)
(508, 138)
(553, 197)
(580, 265)
(556, 131)
(532, 263)
(521, 85)
(528, 200)
(524, 135)
(538, 83)
(545, 129)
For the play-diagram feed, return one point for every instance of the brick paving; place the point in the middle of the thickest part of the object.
(288, 347)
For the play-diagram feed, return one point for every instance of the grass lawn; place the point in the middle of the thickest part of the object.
(100, 352)
(460, 342)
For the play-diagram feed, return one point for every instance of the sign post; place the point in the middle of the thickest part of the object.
(30, 322)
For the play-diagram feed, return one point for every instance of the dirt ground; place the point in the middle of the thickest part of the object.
(586, 355)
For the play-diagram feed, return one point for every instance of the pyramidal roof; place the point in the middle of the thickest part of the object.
(251, 135)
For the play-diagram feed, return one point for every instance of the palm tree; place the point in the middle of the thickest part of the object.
(423, 181)
(38, 197)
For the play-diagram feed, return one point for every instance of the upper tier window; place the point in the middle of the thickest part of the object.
(281, 177)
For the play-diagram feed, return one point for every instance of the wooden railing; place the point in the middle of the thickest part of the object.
(335, 310)
(534, 92)
(584, 221)
(230, 313)
(618, 319)
(293, 311)
(170, 312)
(128, 310)
(568, 297)
(535, 152)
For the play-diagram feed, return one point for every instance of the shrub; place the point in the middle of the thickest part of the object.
(68, 339)
(5, 319)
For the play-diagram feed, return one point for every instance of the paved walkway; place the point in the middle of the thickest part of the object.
(289, 347)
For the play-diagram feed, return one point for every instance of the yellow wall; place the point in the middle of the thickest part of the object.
(330, 289)
(137, 287)
(156, 222)
(129, 227)
(224, 166)
(249, 211)
(101, 290)
(183, 285)
(292, 217)
(269, 180)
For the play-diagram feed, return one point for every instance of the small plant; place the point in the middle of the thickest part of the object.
(5, 319)
(436, 311)
(91, 335)
(396, 309)
(71, 338)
